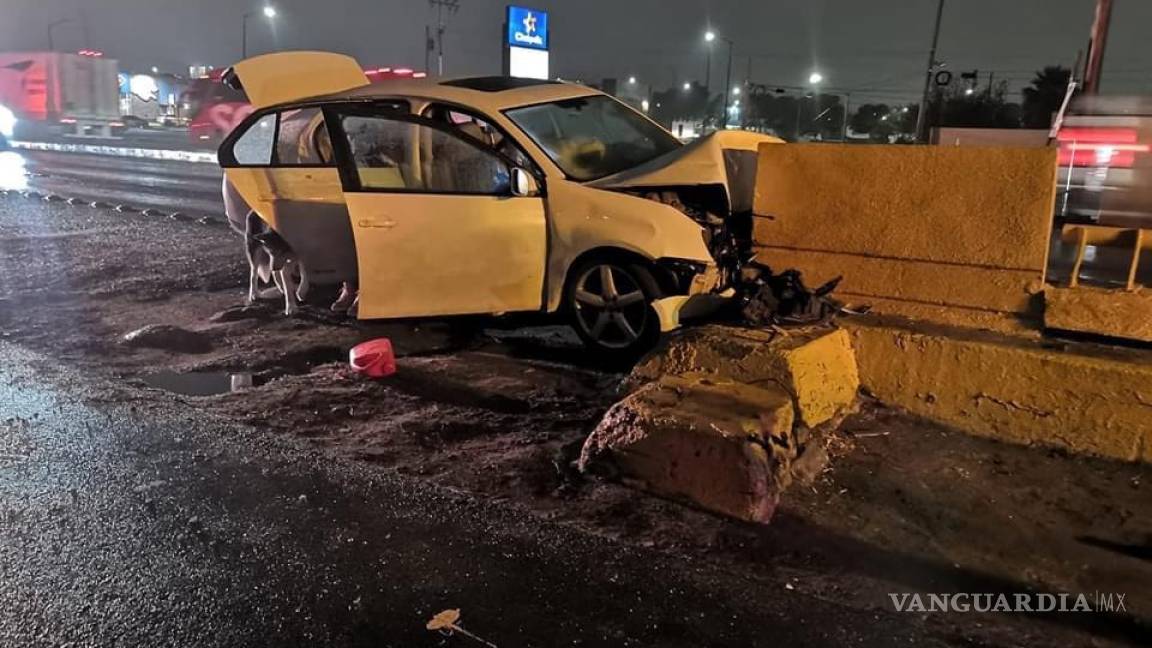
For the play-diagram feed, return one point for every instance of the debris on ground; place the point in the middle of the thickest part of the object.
(168, 338)
(766, 298)
(257, 311)
(448, 622)
(373, 358)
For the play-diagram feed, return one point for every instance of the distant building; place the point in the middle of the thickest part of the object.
(687, 129)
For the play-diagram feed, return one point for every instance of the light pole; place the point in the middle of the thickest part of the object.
(54, 25)
(922, 117)
(709, 38)
(269, 12)
(814, 80)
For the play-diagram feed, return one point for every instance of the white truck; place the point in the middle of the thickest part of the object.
(57, 92)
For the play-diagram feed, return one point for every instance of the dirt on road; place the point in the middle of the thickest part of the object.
(499, 412)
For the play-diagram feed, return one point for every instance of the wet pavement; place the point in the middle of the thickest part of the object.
(191, 188)
(155, 524)
(136, 516)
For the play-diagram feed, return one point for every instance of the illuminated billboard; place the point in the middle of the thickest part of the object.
(526, 43)
(527, 28)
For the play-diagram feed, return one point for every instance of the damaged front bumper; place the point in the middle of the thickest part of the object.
(699, 293)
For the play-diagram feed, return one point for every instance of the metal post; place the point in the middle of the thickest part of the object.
(708, 70)
(799, 109)
(847, 109)
(1098, 44)
(244, 37)
(452, 6)
(922, 118)
(428, 47)
(54, 25)
(727, 84)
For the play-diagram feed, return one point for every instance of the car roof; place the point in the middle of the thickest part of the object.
(494, 94)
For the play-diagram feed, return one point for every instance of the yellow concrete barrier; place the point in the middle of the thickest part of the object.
(956, 235)
(1080, 397)
(1113, 313)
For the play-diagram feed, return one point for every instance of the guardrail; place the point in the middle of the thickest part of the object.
(1139, 239)
(203, 157)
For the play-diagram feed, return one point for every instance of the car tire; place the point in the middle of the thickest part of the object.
(609, 304)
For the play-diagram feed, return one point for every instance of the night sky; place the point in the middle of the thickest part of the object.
(876, 49)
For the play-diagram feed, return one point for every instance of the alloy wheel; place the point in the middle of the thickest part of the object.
(611, 307)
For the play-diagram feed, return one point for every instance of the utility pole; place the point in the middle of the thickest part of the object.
(847, 109)
(708, 70)
(452, 6)
(1097, 46)
(922, 118)
(54, 25)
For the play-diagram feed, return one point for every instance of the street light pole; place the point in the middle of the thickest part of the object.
(269, 13)
(847, 109)
(922, 118)
(244, 36)
(54, 25)
(709, 37)
(727, 83)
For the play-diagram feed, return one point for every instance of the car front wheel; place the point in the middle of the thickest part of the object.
(610, 305)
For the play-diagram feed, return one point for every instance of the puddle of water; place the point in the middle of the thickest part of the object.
(199, 383)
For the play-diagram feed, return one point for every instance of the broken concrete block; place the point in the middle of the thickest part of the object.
(816, 366)
(724, 446)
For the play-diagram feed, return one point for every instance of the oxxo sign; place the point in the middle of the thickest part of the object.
(526, 43)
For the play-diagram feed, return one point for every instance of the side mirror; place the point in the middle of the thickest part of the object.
(523, 184)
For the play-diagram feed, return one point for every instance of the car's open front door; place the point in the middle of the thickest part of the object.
(437, 228)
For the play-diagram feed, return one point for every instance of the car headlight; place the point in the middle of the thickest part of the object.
(7, 121)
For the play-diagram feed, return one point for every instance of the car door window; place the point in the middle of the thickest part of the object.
(254, 147)
(294, 137)
(414, 155)
(481, 131)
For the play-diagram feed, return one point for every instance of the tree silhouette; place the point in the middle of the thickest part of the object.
(1045, 95)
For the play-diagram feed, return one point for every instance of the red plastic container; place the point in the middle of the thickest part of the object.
(373, 359)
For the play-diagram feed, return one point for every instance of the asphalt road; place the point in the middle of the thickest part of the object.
(155, 525)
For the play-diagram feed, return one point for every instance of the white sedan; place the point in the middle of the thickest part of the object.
(491, 195)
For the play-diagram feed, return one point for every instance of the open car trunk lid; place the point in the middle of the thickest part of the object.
(282, 77)
(724, 158)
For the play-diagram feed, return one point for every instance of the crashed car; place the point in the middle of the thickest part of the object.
(491, 195)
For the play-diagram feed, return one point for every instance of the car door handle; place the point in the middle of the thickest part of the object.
(373, 223)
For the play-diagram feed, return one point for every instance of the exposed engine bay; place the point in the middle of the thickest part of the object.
(727, 235)
(761, 297)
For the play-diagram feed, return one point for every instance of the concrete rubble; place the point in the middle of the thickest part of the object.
(724, 446)
(716, 416)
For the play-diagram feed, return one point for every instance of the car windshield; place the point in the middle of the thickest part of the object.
(593, 137)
